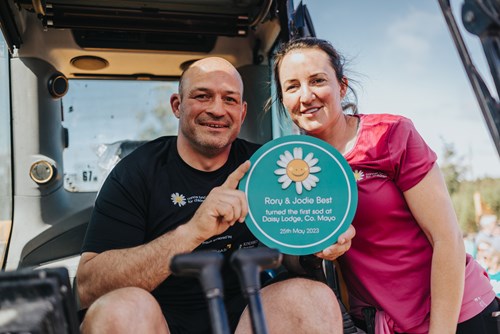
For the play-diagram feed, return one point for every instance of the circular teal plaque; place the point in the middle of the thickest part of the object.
(301, 194)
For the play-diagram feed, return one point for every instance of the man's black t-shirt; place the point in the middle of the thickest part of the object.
(151, 192)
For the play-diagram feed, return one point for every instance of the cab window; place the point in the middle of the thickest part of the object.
(106, 120)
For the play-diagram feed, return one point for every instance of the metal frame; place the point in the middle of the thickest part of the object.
(481, 18)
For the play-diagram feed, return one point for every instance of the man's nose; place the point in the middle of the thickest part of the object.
(217, 107)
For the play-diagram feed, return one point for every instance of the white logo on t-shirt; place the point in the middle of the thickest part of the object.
(360, 175)
(178, 199)
(181, 200)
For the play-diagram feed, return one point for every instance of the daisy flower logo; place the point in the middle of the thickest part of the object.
(178, 199)
(359, 175)
(298, 170)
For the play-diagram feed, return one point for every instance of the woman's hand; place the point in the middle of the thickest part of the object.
(340, 247)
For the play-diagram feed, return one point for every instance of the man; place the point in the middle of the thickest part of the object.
(176, 195)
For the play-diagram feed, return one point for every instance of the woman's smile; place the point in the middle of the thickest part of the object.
(311, 110)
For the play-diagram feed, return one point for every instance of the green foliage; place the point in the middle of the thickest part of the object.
(463, 202)
(462, 192)
(489, 189)
(452, 168)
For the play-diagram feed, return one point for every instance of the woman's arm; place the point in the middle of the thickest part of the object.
(431, 206)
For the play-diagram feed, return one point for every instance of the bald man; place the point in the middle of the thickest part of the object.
(176, 195)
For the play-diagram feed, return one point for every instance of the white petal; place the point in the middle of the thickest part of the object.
(287, 183)
(288, 157)
(309, 181)
(283, 178)
(298, 187)
(308, 158)
(297, 152)
(313, 178)
(314, 169)
(282, 163)
(280, 171)
(313, 162)
(306, 184)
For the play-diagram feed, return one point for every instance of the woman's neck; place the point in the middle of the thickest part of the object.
(343, 135)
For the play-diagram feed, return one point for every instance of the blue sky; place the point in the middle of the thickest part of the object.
(402, 55)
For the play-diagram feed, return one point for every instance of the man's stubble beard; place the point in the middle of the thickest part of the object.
(208, 144)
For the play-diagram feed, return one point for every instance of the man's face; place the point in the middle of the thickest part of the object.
(210, 107)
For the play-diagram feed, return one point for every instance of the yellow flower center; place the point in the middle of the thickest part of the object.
(297, 170)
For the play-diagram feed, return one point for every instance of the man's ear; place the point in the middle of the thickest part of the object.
(175, 103)
(243, 111)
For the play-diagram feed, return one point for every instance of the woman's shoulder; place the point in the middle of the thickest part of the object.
(388, 124)
(388, 119)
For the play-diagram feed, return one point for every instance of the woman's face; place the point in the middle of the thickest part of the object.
(311, 91)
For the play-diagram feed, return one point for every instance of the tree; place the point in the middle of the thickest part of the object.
(463, 202)
(452, 168)
(489, 188)
(461, 191)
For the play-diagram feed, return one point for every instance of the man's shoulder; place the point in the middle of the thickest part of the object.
(147, 154)
(244, 149)
(159, 142)
(245, 145)
(152, 147)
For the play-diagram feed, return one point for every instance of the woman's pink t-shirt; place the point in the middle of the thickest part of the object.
(389, 263)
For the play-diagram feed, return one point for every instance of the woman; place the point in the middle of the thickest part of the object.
(407, 259)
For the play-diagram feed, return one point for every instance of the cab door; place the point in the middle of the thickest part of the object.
(59, 49)
(5, 152)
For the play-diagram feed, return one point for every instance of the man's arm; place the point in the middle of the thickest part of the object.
(146, 266)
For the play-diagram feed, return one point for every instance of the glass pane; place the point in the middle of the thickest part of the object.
(106, 120)
(5, 153)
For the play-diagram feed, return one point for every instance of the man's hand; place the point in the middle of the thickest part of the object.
(223, 207)
(343, 244)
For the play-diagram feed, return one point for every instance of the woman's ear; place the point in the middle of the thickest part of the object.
(344, 84)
